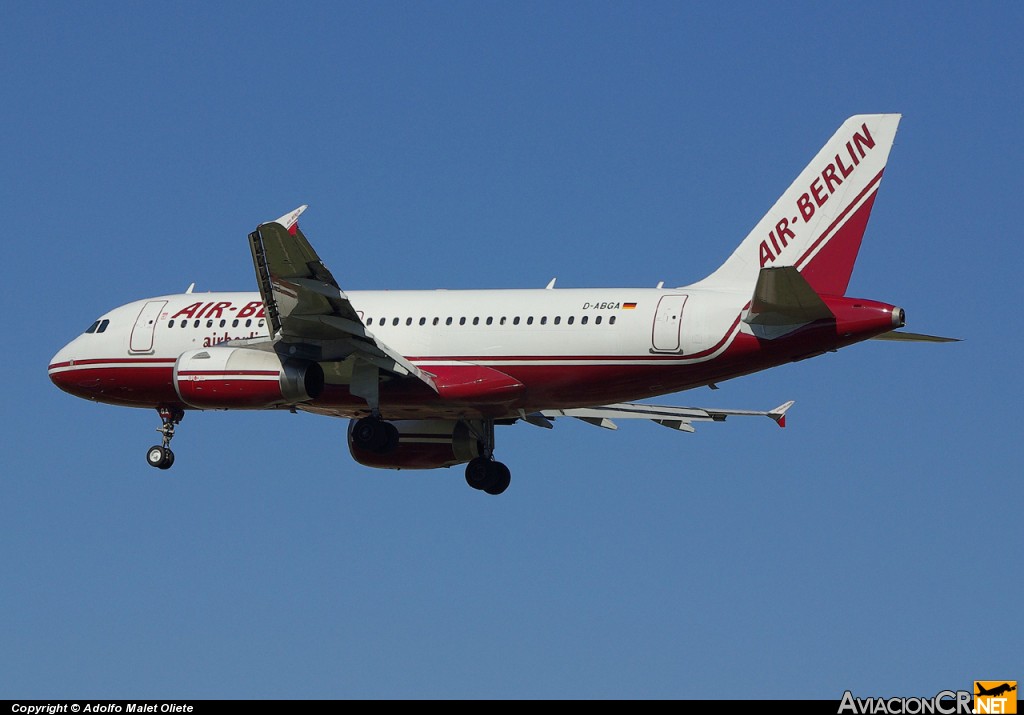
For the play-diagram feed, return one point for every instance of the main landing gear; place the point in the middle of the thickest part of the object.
(487, 475)
(483, 472)
(161, 456)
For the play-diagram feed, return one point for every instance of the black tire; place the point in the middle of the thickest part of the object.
(168, 458)
(499, 480)
(478, 472)
(156, 456)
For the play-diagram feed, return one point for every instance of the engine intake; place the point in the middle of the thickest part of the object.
(422, 444)
(242, 378)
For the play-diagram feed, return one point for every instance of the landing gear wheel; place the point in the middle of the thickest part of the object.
(477, 472)
(160, 457)
(499, 480)
(375, 435)
(488, 476)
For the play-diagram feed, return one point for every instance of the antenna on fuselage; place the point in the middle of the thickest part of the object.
(551, 285)
(190, 288)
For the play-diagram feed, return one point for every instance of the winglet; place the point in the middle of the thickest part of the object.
(779, 413)
(291, 220)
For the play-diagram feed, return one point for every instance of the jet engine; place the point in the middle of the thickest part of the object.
(422, 444)
(242, 378)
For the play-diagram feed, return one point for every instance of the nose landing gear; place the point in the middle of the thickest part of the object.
(161, 456)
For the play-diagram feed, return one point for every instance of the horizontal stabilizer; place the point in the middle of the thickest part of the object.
(914, 337)
(783, 301)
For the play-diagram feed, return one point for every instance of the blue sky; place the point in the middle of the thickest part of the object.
(873, 545)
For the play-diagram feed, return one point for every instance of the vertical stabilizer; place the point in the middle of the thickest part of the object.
(817, 225)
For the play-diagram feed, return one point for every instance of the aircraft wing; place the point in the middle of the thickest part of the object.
(306, 308)
(678, 418)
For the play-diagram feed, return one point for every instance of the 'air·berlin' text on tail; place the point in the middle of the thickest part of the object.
(817, 225)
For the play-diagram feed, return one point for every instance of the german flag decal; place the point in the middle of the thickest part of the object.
(629, 306)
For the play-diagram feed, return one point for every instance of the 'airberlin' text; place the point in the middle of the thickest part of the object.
(839, 168)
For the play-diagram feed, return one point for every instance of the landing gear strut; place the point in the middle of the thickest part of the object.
(483, 472)
(161, 456)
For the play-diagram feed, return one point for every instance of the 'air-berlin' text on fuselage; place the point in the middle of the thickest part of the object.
(824, 185)
(252, 309)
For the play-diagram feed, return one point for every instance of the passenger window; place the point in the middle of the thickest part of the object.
(369, 321)
(448, 321)
(423, 321)
(248, 322)
(515, 320)
(476, 321)
(209, 323)
(184, 323)
(544, 320)
(436, 320)
(571, 319)
(611, 320)
(462, 321)
(490, 320)
(529, 321)
(394, 321)
(196, 324)
(408, 321)
(597, 320)
(170, 323)
(584, 319)
(223, 322)
(260, 323)
(558, 319)
(502, 321)
(234, 323)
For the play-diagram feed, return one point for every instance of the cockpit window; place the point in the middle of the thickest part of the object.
(98, 327)
(92, 328)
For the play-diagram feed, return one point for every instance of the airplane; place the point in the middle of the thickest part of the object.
(996, 691)
(425, 376)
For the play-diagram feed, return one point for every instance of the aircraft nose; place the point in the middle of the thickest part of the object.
(61, 368)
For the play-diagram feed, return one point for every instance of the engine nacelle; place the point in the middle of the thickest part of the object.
(242, 378)
(422, 444)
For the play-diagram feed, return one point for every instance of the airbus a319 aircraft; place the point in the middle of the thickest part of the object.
(425, 376)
